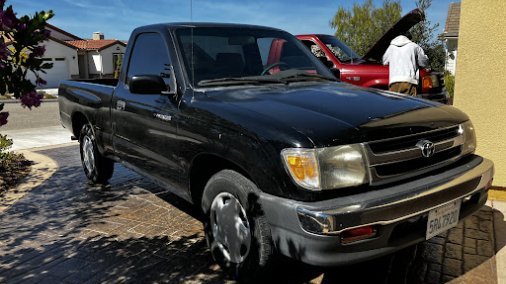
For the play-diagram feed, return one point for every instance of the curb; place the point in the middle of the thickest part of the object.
(11, 101)
(498, 194)
(42, 169)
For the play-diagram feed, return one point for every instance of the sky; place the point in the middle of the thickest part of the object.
(117, 18)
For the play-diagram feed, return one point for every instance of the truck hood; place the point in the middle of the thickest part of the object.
(403, 25)
(339, 113)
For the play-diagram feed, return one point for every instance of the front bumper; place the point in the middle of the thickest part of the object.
(309, 231)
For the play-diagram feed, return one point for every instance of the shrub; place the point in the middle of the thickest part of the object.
(5, 145)
(449, 83)
(13, 167)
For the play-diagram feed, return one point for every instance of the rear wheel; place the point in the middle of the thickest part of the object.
(237, 231)
(97, 168)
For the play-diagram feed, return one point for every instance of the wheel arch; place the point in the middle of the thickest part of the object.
(203, 167)
(78, 120)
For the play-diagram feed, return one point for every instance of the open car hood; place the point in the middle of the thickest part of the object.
(376, 52)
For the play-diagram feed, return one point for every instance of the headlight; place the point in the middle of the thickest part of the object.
(326, 168)
(467, 129)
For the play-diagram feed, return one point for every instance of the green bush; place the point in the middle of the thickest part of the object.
(5, 145)
(13, 167)
(5, 155)
(450, 83)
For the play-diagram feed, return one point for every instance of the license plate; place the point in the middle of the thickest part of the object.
(442, 218)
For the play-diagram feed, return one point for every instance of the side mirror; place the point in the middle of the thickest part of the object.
(146, 84)
(336, 72)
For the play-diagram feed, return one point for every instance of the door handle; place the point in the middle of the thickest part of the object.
(120, 105)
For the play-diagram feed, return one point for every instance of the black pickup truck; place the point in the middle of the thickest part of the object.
(280, 157)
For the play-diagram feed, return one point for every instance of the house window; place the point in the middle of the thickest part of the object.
(117, 59)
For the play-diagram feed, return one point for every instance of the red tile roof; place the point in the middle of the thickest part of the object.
(89, 44)
(62, 42)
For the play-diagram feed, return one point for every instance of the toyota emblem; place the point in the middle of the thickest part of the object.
(428, 149)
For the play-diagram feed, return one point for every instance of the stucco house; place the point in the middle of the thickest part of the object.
(451, 36)
(97, 58)
(63, 56)
(77, 58)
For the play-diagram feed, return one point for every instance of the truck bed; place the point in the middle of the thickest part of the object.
(90, 98)
(109, 82)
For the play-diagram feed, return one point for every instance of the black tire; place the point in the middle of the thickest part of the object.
(99, 169)
(261, 252)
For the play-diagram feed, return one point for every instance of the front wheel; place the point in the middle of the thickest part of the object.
(97, 168)
(237, 231)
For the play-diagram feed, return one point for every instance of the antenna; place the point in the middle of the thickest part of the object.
(192, 64)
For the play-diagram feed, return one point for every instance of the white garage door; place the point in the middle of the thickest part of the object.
(59, 72)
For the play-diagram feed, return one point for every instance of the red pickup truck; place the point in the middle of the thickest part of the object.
(368, 71)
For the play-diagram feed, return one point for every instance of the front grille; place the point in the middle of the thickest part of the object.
(415, 164)
(399, 158)
(408, 141)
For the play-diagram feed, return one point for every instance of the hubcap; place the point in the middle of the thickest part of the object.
(230, 228)
(88, 157)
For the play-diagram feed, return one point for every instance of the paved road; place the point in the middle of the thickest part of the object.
(65, 231)
(38, 127)
(22, 118)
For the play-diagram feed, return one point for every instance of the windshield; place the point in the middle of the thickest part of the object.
(233, 55)
(339, 49)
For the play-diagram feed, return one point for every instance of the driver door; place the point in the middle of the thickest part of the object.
(145, 125)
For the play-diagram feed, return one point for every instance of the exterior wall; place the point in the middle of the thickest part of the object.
(480, 84)
(103, 57)
(64, 60)
(107, 55)
(451, 55)
(57, 50)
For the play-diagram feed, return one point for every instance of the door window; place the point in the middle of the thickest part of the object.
(149, 56)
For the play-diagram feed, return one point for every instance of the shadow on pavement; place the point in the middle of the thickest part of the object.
(134, 231)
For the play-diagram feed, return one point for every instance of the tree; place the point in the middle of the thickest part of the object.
(364, 24)
(424, 35)
(20, 53)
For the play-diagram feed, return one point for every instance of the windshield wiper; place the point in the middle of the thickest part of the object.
(283, 77)
(289, 76)
(239, 81)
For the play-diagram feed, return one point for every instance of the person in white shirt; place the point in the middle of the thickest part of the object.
(404, 58)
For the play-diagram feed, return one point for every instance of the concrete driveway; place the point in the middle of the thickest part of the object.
(65, 231)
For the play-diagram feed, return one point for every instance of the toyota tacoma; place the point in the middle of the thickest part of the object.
(280, 157)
